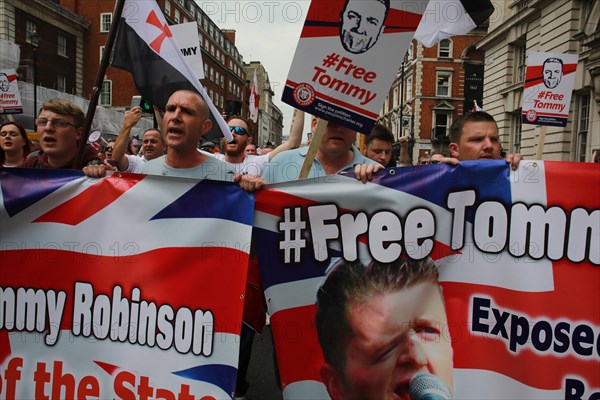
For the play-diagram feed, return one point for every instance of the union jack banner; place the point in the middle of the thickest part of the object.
(518, 255)
(130, 286)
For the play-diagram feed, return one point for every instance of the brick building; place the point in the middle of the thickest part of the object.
(224, 81)
(432, 88)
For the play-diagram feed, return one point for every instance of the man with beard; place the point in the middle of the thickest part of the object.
(235, 152)
(362, 23)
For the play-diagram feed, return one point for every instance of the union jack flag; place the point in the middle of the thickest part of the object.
(151, 272)
(553, 290)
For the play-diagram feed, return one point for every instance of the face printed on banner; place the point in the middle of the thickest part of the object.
(396, 335)
(552, 72)
(4, 82)
(362, 23)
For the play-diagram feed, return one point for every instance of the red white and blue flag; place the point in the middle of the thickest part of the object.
(529, 260)
(145, 47)
(130, 286)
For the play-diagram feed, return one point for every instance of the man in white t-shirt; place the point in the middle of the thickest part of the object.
(252, 164)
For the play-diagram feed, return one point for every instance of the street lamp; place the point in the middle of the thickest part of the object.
(35, 42)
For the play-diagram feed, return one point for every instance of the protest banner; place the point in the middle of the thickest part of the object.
(549, 81)
(519, 263)
(10, 98)
(186, 36)
(347, 57)
(130, 286)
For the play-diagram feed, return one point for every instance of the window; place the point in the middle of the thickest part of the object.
(29, 74)
(443, 85)
(229, 84)
(61, 83)
(168, 8)
(396, 99)
(101, 52)
(445, 49)
(520, 62)
(177, 16)
(222, 81)
(583, 123)
(442, 124)
(106, 93)
(516, 135)
(409, 88)
(105, 22)
(205, 70)
(62, 45)
(29, 29)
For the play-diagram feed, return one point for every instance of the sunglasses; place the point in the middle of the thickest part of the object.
(238, 130)
(108, 148)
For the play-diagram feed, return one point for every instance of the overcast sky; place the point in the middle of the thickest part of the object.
(266, 31)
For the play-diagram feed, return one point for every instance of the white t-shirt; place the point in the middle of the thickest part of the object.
(135, 163)
(212, 169)
(251, 164)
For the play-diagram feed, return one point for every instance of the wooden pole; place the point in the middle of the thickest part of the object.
(89, 117)
(312, 149)
(541, 140)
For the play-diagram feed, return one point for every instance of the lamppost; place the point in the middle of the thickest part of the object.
(35, 42)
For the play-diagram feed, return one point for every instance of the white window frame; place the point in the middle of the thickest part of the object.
(439, 76)
(409, 92)
(61, 45)
(61, 83)
(517, 133)
(445, 49)
(106, 93)
(520, 62)
(447, 126)
(168, 8)
(583, 126)
(177, 16)
(29, 27)
(105, 22)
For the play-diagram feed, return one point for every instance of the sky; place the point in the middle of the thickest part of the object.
(266, 31)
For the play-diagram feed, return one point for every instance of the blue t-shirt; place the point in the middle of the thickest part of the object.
(286, 165)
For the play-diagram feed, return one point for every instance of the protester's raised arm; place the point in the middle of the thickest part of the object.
(132, 117)
(295, 137)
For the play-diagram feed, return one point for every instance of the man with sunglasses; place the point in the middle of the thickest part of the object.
(60, 128)
(235, 152)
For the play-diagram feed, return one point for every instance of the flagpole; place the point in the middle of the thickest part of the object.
(89, 117)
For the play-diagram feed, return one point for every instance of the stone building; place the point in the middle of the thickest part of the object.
(553, 26)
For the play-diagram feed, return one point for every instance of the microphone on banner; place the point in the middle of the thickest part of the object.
(424, 386)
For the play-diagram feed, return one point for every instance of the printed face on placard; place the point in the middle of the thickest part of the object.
(4, 82)
(552, 73)
(361, 23)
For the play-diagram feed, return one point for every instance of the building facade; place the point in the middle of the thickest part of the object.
(270, 117)
(225, 80)
(553, 26)
(432, 88)
(57, 62)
